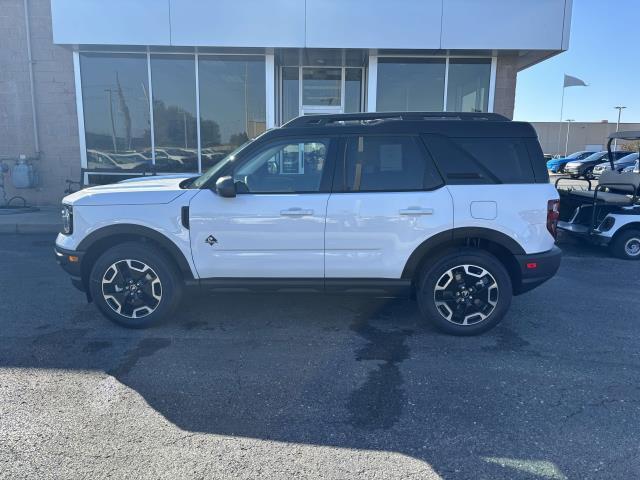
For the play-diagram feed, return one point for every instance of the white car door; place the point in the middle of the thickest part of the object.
(388, 198)
(274, 227)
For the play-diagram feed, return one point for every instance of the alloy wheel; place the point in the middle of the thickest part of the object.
(131, 288)
(632, 247)
(466, 294)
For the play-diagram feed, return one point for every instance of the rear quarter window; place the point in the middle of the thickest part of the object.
(483, 160)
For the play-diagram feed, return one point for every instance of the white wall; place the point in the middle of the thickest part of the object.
(401, 24)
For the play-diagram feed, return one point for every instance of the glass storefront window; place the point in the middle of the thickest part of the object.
(321, 86)
(410, 84)
(232, 103)
(174, 112)
(290, 93)
(468, 89)
(116, 111)
(352, 90)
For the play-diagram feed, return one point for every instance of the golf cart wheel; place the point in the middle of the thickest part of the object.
(135, 285)
(465, 292)
(626, 245)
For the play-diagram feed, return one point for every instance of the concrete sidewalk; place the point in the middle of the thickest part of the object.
(45, 220)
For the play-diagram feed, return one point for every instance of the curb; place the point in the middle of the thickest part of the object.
(25, 228)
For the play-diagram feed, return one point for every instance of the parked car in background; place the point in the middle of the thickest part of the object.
(557, 164)
(626, 161)
(584, 167)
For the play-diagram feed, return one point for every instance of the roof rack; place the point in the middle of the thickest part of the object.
(374, 118)
(628, 135)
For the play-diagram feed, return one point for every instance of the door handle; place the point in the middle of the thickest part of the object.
(296, 212)
(416, 211)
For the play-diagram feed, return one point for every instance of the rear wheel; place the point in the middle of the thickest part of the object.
(626, 245)
(465, 292)
(135, 285)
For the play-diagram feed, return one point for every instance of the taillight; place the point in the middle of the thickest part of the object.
(553, 214)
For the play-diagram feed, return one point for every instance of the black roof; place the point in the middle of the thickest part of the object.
(452, 124)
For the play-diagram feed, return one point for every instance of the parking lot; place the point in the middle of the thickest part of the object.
(293, 386)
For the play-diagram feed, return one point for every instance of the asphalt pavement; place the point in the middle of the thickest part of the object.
(296, 386)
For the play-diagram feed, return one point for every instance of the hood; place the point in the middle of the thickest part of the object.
(556, 161)
(138, 191)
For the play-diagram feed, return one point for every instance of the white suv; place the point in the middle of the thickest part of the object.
(455, 208)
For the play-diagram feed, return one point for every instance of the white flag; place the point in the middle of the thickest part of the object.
(570, 81)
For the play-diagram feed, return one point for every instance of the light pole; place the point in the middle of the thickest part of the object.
(615, 142)
(566, 144)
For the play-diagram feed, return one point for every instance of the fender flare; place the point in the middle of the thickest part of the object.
(450, 236)
(141, 231)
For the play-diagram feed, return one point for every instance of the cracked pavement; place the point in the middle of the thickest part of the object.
(280, 387)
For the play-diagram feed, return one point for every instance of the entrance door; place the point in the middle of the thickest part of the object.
(320, 90)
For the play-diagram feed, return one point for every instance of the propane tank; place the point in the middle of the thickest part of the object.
(23, 173)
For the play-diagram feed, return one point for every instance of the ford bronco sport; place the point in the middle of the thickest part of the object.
(455, 208)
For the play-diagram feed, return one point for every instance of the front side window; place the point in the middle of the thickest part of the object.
(284, 167)
(387, 163)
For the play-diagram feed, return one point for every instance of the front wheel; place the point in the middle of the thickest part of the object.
(135, 285)
(626, 245)
(465, 292)
(588, 174)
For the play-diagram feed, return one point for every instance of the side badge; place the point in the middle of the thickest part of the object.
(211, 240)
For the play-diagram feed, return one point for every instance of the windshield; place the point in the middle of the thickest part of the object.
(204, 178)
(632, 157)
(595, 156)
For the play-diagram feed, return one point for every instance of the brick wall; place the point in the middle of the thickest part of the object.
(506, 75)
(59, 157)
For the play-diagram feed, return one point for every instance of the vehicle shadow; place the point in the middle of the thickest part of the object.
(354, 373)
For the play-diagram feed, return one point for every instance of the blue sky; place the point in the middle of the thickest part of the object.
(604, 51)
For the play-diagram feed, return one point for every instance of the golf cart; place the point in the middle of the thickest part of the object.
(608, 214)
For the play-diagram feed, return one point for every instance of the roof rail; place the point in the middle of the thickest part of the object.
(373, 117)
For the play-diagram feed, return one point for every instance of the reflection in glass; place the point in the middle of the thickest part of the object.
(321, 86)
(468, 89)
(232, 103)
(174, 112)
(290, 93)
(116, 111)
(352, 90)
(410, 84)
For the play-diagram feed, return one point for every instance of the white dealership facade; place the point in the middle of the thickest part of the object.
(172, 86)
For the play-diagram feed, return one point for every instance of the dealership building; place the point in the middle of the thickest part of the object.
(104, 90)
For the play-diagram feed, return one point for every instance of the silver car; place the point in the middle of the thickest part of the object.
(627, 161)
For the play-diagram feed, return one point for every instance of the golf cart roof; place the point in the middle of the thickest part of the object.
(630, 135)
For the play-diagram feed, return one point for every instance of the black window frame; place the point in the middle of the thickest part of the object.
(339, 178)
(249, 154)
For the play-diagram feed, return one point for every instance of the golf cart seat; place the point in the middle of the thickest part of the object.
(625, 182)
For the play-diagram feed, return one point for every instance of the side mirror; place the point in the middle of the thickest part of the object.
(226, 187)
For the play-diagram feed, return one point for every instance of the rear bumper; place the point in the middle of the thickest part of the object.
(536, 269)
(71, 262)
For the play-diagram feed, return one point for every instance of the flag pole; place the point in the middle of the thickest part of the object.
(561, 113)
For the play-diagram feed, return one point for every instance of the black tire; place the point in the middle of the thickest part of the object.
(588, 174)
(626, 245)
(145, 285)
(435, 275)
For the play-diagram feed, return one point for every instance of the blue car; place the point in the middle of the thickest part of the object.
(556, 165)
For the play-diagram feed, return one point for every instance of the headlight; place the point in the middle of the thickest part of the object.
(67, 219)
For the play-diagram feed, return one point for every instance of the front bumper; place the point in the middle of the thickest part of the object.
(71, 262)
(535, 269)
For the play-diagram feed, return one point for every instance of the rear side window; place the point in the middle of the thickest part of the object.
(481, 160)
(387, 163)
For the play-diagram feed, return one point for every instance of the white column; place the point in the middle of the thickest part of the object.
(80, 109)
(492, 82)
(270, 85)
(372, 81)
